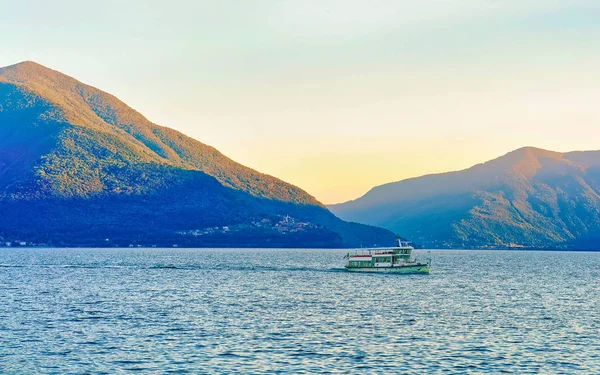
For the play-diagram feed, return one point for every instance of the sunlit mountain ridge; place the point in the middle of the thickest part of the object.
(80, 167)
(527, 198)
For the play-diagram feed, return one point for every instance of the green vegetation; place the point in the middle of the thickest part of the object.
(528, 198)
(77, 166)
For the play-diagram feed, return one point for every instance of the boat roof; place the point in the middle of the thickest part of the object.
(385, 248)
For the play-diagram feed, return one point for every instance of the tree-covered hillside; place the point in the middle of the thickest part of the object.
(527, 198)
(78, 166)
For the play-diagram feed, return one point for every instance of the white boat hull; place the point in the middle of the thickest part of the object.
(405, 269)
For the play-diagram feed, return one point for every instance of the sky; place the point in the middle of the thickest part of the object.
(334, 96)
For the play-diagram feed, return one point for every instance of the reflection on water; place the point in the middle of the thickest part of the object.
(216, 311)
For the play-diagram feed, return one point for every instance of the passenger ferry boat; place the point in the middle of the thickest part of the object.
(397, 259)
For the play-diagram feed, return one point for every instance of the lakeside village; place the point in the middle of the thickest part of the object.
(285, 225)
(281, 225)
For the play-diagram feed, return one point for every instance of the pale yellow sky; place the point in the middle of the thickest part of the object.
(335, 96)
(337, 137)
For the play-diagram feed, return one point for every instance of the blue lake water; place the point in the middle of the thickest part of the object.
(120, 311)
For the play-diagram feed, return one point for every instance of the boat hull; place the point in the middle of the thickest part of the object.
(411, 269)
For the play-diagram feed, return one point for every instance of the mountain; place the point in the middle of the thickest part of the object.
(527, 198)
(80, 167)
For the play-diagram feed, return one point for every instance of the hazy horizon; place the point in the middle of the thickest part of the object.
(335, 96)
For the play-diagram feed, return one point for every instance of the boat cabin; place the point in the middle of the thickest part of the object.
(380, 257)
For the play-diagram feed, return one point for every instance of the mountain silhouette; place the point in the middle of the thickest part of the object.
(79, 167)
(527, 198)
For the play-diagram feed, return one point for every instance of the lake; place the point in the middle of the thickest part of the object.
(190, 311)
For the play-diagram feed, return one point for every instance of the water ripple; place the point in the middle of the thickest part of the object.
(120, 311)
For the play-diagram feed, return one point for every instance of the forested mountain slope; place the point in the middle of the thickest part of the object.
(78, 166)
(529, 197)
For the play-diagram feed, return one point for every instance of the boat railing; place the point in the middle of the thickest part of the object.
(427, 259)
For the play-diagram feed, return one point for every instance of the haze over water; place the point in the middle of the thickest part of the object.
(111, 311)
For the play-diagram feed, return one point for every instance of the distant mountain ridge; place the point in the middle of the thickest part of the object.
(527, 198)
(78, 165)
